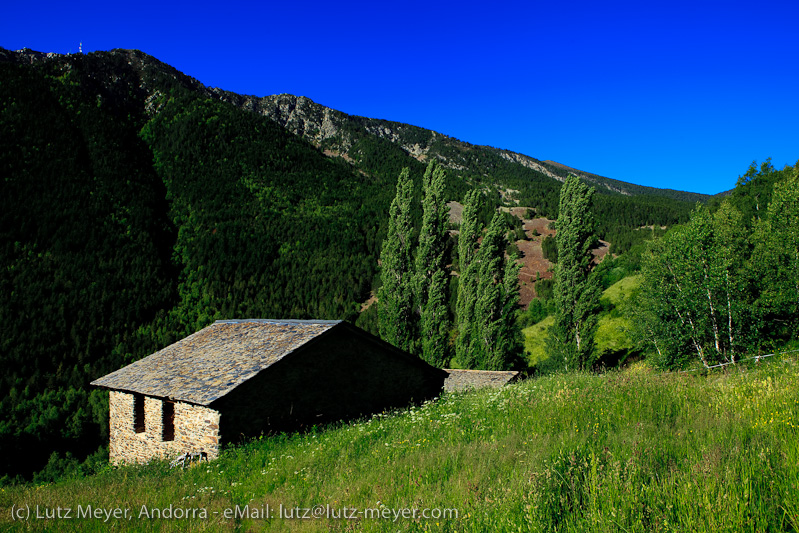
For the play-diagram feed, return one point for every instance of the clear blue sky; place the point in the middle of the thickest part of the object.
(681, 95)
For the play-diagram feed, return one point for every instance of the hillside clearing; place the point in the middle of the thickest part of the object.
(612, 339)
(534, 341)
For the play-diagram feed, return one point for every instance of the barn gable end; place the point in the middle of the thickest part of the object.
(196, 430)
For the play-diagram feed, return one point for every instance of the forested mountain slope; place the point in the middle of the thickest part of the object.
(138, 205)
(380, 146)
(343, 135)
(123, 231)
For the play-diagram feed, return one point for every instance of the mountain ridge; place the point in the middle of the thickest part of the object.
(625, 187)
(316, 123)
(337, 132)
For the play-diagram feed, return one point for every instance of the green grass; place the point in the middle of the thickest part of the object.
(611, 335)
(630, 450)
(535, 341)
(620, 291)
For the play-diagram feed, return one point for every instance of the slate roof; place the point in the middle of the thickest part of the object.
(476, 379)
(208, 364)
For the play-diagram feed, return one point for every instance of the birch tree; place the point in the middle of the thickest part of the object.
(776, 258)
(693, 297)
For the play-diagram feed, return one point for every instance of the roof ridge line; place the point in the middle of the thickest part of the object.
(275, 321)
(479, 370)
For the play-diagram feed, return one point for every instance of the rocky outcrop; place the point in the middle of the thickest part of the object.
(332, 129)
(529, 162)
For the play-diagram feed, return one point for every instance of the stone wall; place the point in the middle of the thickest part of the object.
(196, 430)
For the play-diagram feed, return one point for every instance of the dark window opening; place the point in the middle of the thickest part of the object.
(138, 413)
(168, 420)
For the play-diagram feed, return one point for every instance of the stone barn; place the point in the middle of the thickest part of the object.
(240, 378)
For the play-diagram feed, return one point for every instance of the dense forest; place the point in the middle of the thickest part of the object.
(138, 206)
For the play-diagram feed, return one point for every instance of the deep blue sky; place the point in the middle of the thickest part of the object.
(681, 95)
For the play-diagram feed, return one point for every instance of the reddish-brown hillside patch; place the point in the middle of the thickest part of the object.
(534, 265)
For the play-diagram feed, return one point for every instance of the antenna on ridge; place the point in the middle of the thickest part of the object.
(80, 47)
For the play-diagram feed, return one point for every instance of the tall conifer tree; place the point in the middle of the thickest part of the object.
(431, 276)
(576, 290)
(495, 340)
(467, 282)
(395, 297)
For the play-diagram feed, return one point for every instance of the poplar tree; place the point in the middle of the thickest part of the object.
(395, 297)
(576, 290)
(435, 324)
(431, 279)
(509, 339)
(494, 338)
(467, 282)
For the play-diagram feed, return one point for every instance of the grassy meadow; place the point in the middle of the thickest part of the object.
(631, 450)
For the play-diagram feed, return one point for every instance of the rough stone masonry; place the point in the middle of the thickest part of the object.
(196, 429)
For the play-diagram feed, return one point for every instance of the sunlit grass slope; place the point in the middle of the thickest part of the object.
(612, 330)
(625, 451)
(535, 341)
(612, 334)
